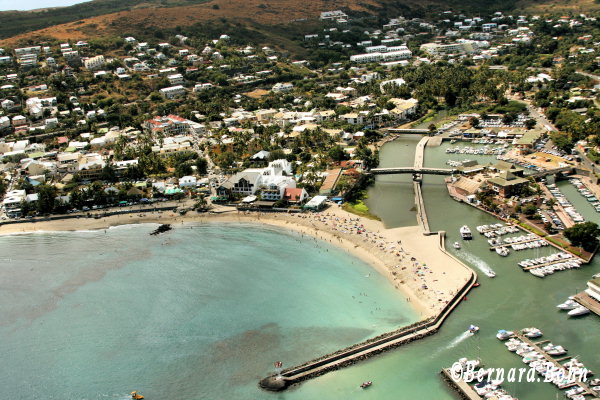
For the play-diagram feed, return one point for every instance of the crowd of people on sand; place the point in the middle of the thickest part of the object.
(398, 261)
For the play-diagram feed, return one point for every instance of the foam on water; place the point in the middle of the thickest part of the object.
(477, 262)
(460, 338)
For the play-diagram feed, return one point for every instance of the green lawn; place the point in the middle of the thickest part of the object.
(361, 209)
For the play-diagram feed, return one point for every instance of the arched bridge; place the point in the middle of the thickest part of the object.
(413, 170)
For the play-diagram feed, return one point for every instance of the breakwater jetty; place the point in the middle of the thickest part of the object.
(420, 203)
(371, 347)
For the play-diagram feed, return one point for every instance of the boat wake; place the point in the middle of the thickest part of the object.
(463, 336)
(479, 264)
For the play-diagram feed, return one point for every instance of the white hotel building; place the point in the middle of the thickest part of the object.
(391, 54)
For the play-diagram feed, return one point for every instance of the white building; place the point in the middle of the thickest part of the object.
(187, 181)
(437, 49)
(7, 104)
(283, 87)
(173, 91)
(337, 14)
(4, 122)
(94, 63)
(593, 289)
(175, 79)
(19, 120)
(394, 55)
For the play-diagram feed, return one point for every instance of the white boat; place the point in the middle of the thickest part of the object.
(532, 332)
(537, 272)
(581, 310)
(568, 305)
(490, 273)
(473, 329)
(465, 232)
(456, 245)
(503, 334)
(503, 251)
(557, 351)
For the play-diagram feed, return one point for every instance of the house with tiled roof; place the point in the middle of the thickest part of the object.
(295, 195)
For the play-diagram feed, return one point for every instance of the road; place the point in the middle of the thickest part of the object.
(536, 113)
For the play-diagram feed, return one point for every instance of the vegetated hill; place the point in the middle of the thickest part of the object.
(141, 17)
(557, 6)
(148, 19)
(17, 22)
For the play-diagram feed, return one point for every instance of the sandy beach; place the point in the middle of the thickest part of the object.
(416, 265)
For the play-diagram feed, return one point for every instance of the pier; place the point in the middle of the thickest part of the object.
(464, 390)
(371, 347)
(420, 203)
(588, 302)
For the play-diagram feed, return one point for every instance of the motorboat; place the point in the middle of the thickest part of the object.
(473, 329)
(532, 332)
(365, 385)
(457, 245)
(557, 351)
(568, 305)
(503, 334)
(490, 273)
(537, 272)
(136, 396)
(503, 251)
(465, 233)
(581, 310)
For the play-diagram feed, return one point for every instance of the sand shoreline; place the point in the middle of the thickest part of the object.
(415, 264)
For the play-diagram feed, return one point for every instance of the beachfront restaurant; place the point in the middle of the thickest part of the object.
(317, 203)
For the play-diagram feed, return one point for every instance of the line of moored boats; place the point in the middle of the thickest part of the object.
(551, 264)
(487, 388)
(485, 150)
(574, 308)
(585, 192)
(565, 203)
(495, 230)
(561, 373)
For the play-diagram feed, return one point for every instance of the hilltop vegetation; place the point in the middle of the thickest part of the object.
(18, 22)
(100, 17)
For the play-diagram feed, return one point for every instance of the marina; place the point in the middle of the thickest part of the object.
(560, 372)
(530, 241)
(565, 203)
(544, 266)
(496, 230)
(486, 389)
(586, 193)
(485, 150)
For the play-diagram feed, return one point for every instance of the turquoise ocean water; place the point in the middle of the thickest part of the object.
(200, 312)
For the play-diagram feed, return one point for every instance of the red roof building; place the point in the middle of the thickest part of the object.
(295, 195)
